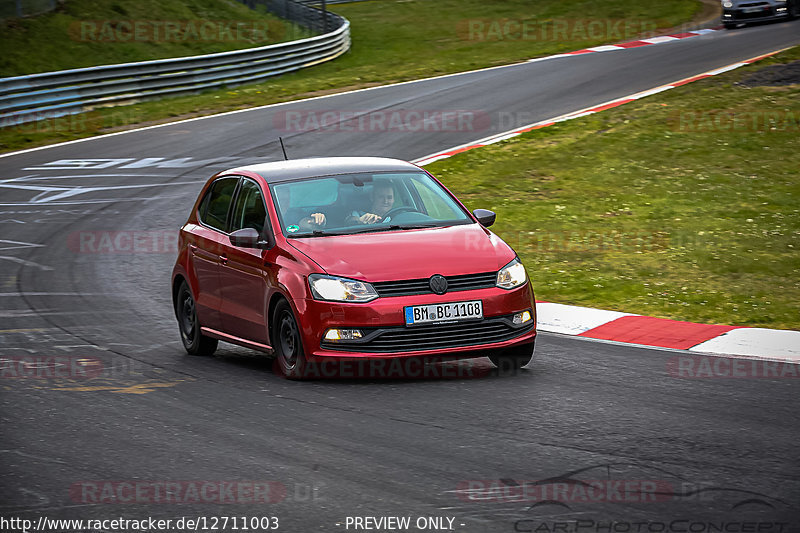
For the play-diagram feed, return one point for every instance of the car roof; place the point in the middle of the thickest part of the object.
(324, 166)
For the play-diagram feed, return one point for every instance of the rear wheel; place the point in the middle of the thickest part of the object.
(290, 356)
(195, 342)
(513, 358)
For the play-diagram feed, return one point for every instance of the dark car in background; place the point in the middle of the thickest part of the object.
(736, 12)
(348, 259)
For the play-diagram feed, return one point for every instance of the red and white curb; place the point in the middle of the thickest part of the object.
(769, 344)
(630, 44)
(772, 344)
(428, 159)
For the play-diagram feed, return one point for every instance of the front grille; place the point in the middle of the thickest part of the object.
(433, 337)
(764, 10)
(757, 15)
(410, 287)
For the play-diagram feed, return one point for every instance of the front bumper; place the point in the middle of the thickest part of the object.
(766, 14)
(386, 336)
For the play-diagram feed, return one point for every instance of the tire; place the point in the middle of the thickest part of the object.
(794, 9)
(194, 342)
(514, 358)
(729, 25)
(290, 356)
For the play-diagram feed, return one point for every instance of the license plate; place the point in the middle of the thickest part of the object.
(752, 9)
(449, 312)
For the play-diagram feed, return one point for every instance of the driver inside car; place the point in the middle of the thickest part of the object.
(382, 201)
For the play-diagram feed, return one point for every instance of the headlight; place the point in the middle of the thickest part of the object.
(340, 289)
(727, 3)
(512, 275)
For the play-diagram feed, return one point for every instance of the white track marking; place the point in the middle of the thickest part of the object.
(59, 193)
(15, 245)
(25, 262)
(59, 294)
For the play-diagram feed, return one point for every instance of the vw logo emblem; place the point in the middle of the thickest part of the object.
(438, 284)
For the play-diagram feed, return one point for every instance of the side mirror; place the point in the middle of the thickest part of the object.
(247, 238)
(485, 217)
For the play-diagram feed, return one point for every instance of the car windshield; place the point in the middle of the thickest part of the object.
(363, 202)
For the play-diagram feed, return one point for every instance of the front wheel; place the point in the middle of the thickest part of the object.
(290, 356)
(513, 358)
(194, 342)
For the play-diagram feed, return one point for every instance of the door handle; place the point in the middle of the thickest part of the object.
(223, 259)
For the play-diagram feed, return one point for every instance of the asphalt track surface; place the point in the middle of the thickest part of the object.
(721, 450)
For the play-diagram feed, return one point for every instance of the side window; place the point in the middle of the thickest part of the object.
(249, 211)
(215, 205)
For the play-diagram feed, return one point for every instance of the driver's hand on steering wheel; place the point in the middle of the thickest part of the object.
(317, 219)
(369, 218)
(313, 221)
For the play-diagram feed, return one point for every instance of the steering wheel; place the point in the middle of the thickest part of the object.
(397, 210)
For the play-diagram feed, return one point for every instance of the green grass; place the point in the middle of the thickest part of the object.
(393, 40)
(75, 36)
(408, 39)
(629, 210)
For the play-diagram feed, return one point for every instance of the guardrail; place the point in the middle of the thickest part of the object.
(25, 8)
(54, 94)
(318, 2)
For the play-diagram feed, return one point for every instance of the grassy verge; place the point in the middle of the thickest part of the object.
(683, 205)
(85, 33)
(393, 40)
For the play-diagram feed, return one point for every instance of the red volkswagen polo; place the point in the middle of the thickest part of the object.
(347, 258)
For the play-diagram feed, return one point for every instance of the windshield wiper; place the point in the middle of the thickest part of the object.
(315, 233)
(371, 229)
(394, 227)
(420, 226)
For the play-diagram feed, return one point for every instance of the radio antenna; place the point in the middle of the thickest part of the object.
(285, 157)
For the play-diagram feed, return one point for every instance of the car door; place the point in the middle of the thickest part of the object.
(243, 274)
(207, 248)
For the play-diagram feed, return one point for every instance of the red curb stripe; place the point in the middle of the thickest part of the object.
(538, 127)
(683, 35)
(633, 44)
(458, 151)
(609, 106)
(690, 80)
(661, 332)
(759, 58)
